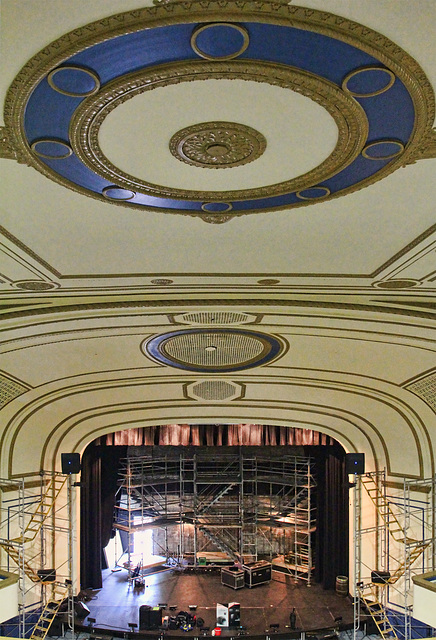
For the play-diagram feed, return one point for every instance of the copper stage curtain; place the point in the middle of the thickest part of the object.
(233, 435)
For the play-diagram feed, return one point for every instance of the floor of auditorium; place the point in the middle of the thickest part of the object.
(116, 606)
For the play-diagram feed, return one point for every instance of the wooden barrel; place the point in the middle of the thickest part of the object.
(342, 586)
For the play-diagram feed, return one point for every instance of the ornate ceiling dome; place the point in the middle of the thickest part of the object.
(147, 108)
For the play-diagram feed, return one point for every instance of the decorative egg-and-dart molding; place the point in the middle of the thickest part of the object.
(357, 75)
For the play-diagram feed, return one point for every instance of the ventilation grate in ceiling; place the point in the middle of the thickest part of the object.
(9, 389)
(214, 390)
(213, 350)
(425, 388)
(215, 318)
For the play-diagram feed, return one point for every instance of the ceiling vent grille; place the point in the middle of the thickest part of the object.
(9, 390)
(215, 318)
(425, 388)
(214, 390)
(217, 350)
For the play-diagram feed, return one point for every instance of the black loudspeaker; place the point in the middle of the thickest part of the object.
(46, 575)
(355, 463)
(70, 463)
(149, 617)
(81, 610)
(234, 614)
(57, 628)
(380, 577)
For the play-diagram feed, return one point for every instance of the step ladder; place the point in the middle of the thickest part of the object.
(383, 507)
(203, 508)
(45, 508)
(220, 543)
(42, 627)
(393, 525)
(15, 552)
(411, 557)
(369, 596)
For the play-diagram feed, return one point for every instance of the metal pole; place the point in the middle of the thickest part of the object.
(22, 581)
(356, 553)
(71, 538)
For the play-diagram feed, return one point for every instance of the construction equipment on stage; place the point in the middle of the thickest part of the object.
(257, 573)
(233, 577)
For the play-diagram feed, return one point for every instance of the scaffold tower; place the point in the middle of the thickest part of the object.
(32, 524)
(234, 503)
(403, 542)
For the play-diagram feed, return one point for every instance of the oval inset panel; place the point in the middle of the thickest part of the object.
(213, 350)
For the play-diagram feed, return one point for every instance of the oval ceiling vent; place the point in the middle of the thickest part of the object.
(215, 318)
(213, 350)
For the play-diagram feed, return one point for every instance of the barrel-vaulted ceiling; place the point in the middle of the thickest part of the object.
(218, 211)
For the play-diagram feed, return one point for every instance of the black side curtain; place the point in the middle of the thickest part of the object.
(97, 500)
(99, 484)
(331, 538)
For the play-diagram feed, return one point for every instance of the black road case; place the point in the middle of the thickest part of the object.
(257, 573)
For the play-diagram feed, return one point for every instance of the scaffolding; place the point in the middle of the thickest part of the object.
(402, 537)
(32, 525)
(234, 502)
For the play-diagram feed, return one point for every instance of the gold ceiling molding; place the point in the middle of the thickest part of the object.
(217, 145)
(427, 148)
(422, 145)
(7, 150)
(213, 218)
(401, 63)
(348, 115)
(206, 27)
(318, 305)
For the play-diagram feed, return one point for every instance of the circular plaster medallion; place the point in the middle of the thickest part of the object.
(217, 145)
(378, 96)
(90, 116)
(213, 350)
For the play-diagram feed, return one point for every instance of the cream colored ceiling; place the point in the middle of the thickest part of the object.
(353, 235)
(122, 276)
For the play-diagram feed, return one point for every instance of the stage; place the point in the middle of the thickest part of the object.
(265, 608)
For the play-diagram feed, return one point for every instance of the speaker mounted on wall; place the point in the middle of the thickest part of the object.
(70, 463)
(355, 463)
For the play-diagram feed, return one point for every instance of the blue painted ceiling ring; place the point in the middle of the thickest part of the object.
(214, 350)
(348, 114)
(313, 193)
(384, 82)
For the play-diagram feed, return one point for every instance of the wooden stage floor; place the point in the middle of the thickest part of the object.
(117, 603)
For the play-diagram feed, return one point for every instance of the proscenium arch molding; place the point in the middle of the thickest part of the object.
(154, 411)
(316, 422)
